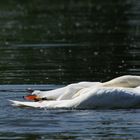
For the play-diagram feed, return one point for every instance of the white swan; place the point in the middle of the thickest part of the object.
(121, 92)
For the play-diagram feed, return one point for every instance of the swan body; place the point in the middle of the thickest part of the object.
(121, 92)
(124, 81)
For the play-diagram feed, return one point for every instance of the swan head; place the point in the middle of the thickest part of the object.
(36, 92)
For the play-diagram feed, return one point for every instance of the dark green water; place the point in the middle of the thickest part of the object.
(68, 41)
(57, 42)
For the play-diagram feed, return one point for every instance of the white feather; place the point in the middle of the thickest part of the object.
(121, 92)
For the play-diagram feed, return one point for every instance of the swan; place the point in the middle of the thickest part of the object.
(120, 92)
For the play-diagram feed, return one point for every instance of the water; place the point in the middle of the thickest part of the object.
(40, 124)
(68, 41)
(49, 44)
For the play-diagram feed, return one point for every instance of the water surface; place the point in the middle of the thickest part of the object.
(40, 124)
(54, 43)
(68, 41)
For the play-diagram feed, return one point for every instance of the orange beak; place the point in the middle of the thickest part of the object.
(31, 97)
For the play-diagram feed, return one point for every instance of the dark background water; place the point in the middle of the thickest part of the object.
(57, 42)
(68, 41)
